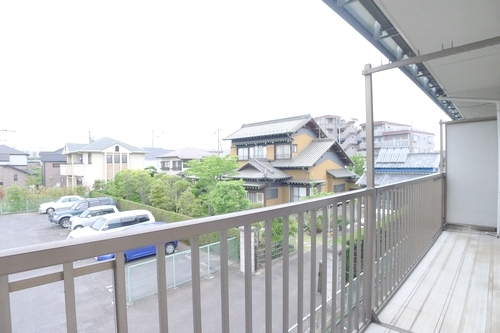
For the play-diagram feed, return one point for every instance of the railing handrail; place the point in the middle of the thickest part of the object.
(26, 258)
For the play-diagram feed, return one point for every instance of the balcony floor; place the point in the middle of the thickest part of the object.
(455, 288)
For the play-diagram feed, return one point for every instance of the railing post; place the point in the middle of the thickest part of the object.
(5, 322)
(242, 248)
(370, 209)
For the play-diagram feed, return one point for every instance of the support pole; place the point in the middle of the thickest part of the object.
(370, 207)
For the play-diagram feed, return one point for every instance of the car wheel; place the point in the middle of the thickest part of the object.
(50, 210)
(169, 248)
(64, 223)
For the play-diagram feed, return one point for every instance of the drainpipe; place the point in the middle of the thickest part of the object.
(497, 102)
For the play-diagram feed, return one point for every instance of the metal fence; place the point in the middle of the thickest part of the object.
(21, 206)
(142, 277)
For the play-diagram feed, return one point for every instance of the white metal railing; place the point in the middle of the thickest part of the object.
(404, 224)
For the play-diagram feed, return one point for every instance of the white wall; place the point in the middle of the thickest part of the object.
(472, 172)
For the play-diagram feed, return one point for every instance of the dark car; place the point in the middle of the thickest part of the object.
(143, 251)
(62, 217)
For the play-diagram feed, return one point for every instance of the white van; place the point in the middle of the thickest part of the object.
(113, 222)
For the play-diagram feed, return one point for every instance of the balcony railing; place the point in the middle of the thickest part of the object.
(377, 234)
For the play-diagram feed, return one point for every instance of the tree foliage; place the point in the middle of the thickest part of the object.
(359, 164)
(133, 185)
(209, 171)
(228, 197)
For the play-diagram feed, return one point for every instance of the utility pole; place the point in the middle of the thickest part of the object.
(219, 146)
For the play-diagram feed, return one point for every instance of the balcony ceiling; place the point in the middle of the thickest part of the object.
(405, 29)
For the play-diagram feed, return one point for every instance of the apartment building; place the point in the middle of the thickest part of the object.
(392, 135)
(345, 131)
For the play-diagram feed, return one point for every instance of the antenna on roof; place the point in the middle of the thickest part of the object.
(91, 139)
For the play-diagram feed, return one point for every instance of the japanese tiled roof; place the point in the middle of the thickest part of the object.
(280, 128)
(309, 156)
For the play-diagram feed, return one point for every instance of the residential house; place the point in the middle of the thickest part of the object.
(175, 162)
(99, 160)
(152, 156)
(51, 168)
(283, 160)
(394, 165)
(13, 167)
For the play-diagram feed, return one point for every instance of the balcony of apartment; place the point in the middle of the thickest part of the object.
(370, 244)
(77, 169)
(349, 142)
(348, 131)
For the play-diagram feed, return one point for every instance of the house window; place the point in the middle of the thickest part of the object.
(415, 138)
(338, 188)
(258, 152)
(176, 165)
(117, 158)
(295, 148)
(271, 193)
(89, 158)
(255, 197)
(109, 158)
(184, 164)
(124, 158)
(283, 152)
(56, 165)
(298, 192)
(15, 177)
(165, 165)
(243, 154)
(117, 148)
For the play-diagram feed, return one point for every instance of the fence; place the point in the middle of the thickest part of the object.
(142, 277)
(21, 206)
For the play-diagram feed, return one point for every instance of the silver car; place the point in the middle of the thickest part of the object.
(63, 202)
(91, 214)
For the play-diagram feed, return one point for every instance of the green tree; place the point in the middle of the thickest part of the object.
(16, 196)
(133, 185)
(210, 170)
(228, 197)
(189, 205)
(166, 190)
(359, 164)
(36, 178)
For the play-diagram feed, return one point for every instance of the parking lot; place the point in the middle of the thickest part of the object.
(42, 309)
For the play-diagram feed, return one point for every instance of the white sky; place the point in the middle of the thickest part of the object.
(183, 70)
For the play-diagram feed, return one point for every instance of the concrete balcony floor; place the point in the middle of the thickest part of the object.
(455, 288)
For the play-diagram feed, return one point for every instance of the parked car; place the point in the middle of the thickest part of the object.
(62, 217)
(63, 202)
(89, 215)
(114, 222)
(146, 250)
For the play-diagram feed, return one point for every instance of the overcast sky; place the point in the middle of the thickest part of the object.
(174, 73)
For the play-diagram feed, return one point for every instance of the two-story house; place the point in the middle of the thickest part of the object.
(175, 162)
(13, 167)
(99, 160)
(51, 168)
(283, 160)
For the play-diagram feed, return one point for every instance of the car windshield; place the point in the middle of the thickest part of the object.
(75, 205)
(85, 213)
(97, 225)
